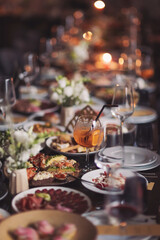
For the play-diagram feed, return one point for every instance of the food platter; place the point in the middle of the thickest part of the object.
(138, 159)
(65, 197)
(33, 106)
(51, 170)
(47, 127)
(85, 229)
(96, 173)
(68, 154)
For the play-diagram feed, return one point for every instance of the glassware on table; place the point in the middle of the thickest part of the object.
(123, 97)
(30, 69)
(7, 95)
(122, 206)
(88, 133)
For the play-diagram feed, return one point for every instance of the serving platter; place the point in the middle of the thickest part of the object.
(34, 106)
(85, 229)
(68, 154)
(58, 191)
(30, 124)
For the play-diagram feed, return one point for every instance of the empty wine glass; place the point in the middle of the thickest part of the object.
(88, 133)
(123, 97)
(7, 95)
(127, 204)
(30, 69)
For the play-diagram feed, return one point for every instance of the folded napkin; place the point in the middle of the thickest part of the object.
(150, 186)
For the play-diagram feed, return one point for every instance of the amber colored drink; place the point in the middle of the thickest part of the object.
(88, 138)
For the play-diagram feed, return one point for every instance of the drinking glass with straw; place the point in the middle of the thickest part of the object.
(88, 132)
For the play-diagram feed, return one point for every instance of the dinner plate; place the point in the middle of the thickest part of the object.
(38, 106)
(89, 176)
(18, 120)
(33, 190)
(134, 156)
(85, 229)
(27, 125)
(143, 115)
(67, 154)
(33, 92)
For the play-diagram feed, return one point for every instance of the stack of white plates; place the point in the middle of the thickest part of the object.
(138, 159)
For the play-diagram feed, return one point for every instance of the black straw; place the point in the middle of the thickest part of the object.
(105, 106)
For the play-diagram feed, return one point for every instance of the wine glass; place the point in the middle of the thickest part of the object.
(88, 133)
(31, 69)
(127, 204)
(123, 97)
(7, 95)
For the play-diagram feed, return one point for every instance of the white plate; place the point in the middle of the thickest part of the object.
(27, 125)
(6, 126)
(95, 173)
(68, 154)
(134, 156)
(143, 118)
(32, 191)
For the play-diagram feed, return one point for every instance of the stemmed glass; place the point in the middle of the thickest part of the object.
(125, 205)
(88, 133)
(123, 97)
(7, 95)
(31, 69)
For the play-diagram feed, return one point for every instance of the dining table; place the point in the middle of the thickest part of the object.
(148, 225)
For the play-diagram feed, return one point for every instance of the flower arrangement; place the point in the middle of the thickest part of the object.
(70, 92)
(80, 53)
(18, 146)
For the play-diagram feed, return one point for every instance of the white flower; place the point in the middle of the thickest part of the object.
(62, 82)
(35, 149)
(84, 96)
(68, 91)
(21, 136)
(24, 156)
(10, 160)
(54, 96)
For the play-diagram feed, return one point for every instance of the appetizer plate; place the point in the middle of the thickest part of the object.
(136, 158)
(33, 190)
(142, 115)
(34, 106)
(27, 125)
(85, 229)
(68, 154)
(89, 176)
